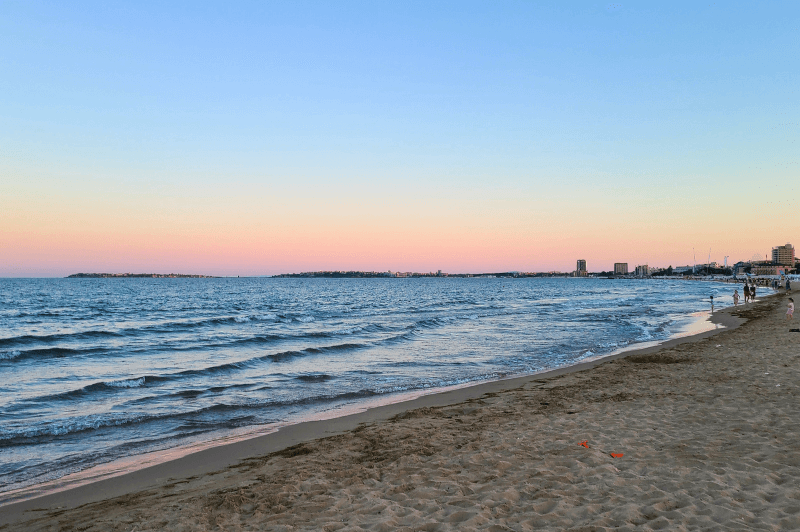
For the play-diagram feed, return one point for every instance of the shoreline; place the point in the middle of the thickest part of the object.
(698, 324)
(221, 457)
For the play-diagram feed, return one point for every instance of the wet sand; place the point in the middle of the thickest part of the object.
(706, 426)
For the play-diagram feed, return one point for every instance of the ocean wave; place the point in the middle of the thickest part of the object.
(173, 326)
(438, 321)
(314, 378)
(272, 357)
(305, 319)
(58, 337)
(97, 387)
(49, 352)
(10, 355)
(258, 339)
(67, 426)
(125, 383)
(607, 345)
(63, 427)
(192, 393)
(410, 334)
(338, 347)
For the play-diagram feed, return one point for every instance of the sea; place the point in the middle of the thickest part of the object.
(97, 371)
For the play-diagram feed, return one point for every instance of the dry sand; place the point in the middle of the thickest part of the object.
(707, 428)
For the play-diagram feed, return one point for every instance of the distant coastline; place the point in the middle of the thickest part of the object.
(390, 274)
(147, 275)
(503, 275)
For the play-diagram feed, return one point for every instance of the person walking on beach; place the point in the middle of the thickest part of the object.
(753, 293)
(735, 297)
(746, 290)
(712, 303)
(788, 286)
(790, 310)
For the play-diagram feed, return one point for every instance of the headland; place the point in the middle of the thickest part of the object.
(137, 275)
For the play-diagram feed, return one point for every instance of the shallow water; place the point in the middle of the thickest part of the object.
(93, 370)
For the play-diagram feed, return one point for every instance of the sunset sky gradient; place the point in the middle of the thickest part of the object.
(255, 138)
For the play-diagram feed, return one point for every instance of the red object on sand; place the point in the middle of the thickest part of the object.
(617, 455)
(584, 443)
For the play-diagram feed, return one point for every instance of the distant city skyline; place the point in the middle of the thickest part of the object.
(783, 256)
(256, 138)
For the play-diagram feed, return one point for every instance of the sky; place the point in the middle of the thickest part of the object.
(257, 138)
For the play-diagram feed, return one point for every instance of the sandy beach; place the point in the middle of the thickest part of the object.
(697, 434)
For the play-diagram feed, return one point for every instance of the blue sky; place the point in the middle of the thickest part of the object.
(502, 100)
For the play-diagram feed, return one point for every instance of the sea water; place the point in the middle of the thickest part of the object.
(95, 370)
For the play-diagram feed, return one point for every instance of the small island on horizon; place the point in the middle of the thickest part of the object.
(138, 275)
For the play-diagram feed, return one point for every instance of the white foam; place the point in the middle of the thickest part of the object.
(305, 319)
(72, 425)
(350, 330)
(241, 319)
(126, 383)
(8, 355)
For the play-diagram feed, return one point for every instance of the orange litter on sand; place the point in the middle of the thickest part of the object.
(617, 455)
(584, 443)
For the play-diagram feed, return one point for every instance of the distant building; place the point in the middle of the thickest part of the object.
(768, 268)
(783, 255)
(642, 271)
(580, 271)
(620, 268)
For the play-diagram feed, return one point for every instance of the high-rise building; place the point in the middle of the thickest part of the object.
(642, 270)
(620, 268)
(580, 271)
(784, 255)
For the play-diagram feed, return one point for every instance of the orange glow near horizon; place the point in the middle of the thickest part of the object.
(418, 228)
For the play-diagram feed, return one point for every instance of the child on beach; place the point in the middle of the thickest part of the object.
(735, 297)
(790, 310)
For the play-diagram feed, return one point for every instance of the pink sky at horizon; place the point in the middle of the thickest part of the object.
(458, 231)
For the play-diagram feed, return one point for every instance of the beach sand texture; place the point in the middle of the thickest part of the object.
(708, 430)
